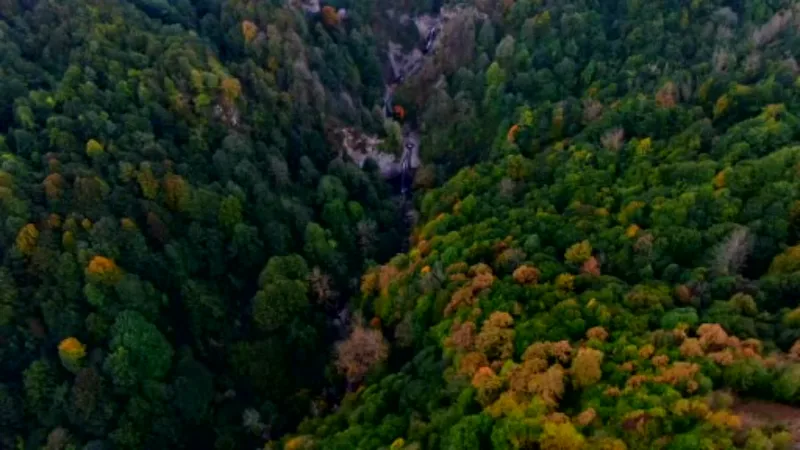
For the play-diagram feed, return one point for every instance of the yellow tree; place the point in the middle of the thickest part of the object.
(560, 436)
(94, 148)
(586, 367)
(27, 238)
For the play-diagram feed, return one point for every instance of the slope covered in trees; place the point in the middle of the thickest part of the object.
(622, 263)
(606, 253)
(178, 235)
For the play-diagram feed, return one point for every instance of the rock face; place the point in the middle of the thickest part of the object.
(360, 146)
(404, 65)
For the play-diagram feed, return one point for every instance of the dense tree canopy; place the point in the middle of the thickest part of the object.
(155, 158)
(603, 245)
(618, 267)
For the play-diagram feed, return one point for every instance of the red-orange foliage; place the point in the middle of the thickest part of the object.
(723, 357)
(460, 297)
(753, 344)
(329, 16)
(560, 350)
(360, 352)
(586, 417)
(660, 360)
(479, 269)
(425, 247)
(488, 385)
(598, 333)
(72, 346)
(636, 380)
(712, 336)
(482, 281)
(591, 267)
(482, 376)
(499, 319)
(549, 385)
(612, 392)
(678, 373)
(683, 293)
(557, 417)
(387, 274)
(526, 275)
(794, 352)
(691, 348)
(520, 375)
(462, 336)
(512, 133)
(471, 362)
(496, 339)
(399, 112)
(104, 270)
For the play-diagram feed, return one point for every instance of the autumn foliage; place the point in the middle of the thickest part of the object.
(399, 112)
(71, 351)
(361, 351)
(330, 16)
(27, 238)
(526, 274)
(667, 96)
(511, 136)
(249, 30)
(586, 367)
(103, 270)
(604, 225)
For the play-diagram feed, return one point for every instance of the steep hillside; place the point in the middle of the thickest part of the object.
(178, 235)
(624, 263)
(604, 235)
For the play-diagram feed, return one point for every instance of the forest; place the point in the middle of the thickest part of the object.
(601, 249)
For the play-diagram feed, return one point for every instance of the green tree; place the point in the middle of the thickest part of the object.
(138, 350)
